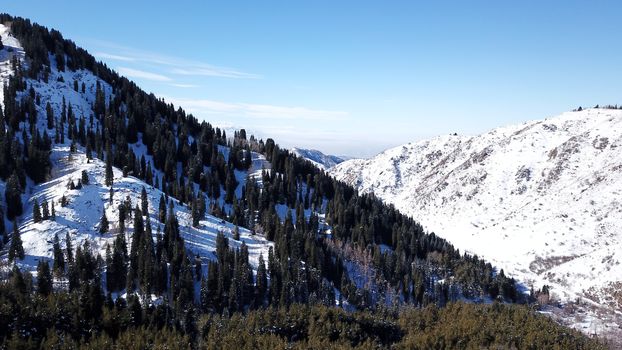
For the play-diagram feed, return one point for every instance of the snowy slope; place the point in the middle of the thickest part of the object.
(80, 218)
(318, 158)
(540, 199)
(12, 48)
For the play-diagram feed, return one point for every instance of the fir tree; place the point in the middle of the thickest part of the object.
(49, 115)
(144, 201)
(262, 283)
(162, 209)
(45, 210)
(85, 177)
(103, 223)
(13, 196)
(16, 250)
(69, 248)
(44, 278)
(36, 212)
(59, 257)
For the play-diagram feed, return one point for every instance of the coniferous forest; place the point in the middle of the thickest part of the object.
(301, 294)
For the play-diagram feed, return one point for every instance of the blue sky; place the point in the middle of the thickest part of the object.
(354, 77)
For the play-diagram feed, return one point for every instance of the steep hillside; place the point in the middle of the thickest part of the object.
(540, 200)
(62, 108)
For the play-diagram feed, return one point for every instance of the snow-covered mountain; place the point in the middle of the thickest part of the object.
(81, 216)
(318, 158)
(540, 199)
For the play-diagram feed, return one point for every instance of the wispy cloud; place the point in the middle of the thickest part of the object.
(141, 74)
(250, 110)
(185, 86)
(170, 64)
(109, 56)
(213, 71)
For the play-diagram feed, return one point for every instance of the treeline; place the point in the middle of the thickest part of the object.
(36, 318)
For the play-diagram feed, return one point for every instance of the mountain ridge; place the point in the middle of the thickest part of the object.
(537, 198)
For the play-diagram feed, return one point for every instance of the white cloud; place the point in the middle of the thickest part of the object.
(186, 86)
(104, 55)
(136, 73)
(250, 110)
(213, 71)
(174, 65)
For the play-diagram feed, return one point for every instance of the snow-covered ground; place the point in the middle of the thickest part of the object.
(318, 158)
(540, 199)
(12, 48)
(81, 217)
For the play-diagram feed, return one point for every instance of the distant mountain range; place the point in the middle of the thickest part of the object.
(318, 158)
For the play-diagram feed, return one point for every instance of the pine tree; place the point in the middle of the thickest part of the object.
(59, 257)
(236, 233)
(137, 239)
(44, 278)
(162, 209)
(49, 115)
(196, 217)
(36, 212)
(13, 196)
(262, 283)
(116, 263)
(69, 248)
(144, 202)
(103, 223)
(53, 215)
(45, 210)
(16, 250)
(146, 261)
(85, 177)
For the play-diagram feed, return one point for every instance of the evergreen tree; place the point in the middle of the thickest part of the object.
(13, 196)
(162, 209)
(85, 177)
(116, 263)
(44, 278)
(45, 210)
(262, 282)
(144, 202)
(49, 115)
(53, 214)
(16, 250)
(146, 261)
(137, 239)
(69, 248)
(103, 223)
(36, 212)
(59, 257)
